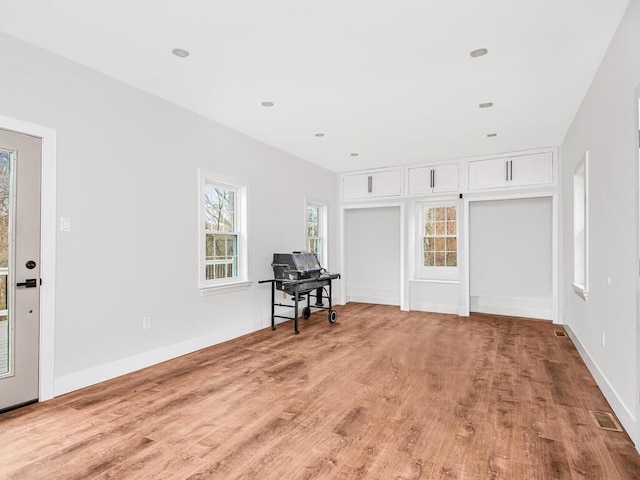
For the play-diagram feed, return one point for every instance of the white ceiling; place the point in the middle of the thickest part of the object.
(391, 80)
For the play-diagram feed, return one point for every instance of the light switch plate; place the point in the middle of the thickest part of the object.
(65, 224)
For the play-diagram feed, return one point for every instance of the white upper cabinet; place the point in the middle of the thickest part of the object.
(372, 185)
(436, 179)
(534, 169)
(517, 171)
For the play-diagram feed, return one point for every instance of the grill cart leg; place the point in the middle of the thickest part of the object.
(333, 315)
(295, 314)
(319, 297)
(306, 311)
(273, 305)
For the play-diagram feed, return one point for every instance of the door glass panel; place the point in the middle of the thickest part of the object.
(5, 210)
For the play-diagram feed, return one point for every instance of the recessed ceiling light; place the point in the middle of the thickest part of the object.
(479, 52)
(319, 134)
(486, 105)
(267, 104)
(179, 52)
(355, 154)
(492, 135)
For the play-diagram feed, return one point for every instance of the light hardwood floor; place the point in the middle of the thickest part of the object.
(382, 394)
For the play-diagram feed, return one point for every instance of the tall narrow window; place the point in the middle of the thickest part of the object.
(438, 242)
(223, 231)
(580, 227)
(316, 231)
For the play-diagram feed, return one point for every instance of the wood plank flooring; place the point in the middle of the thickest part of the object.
(382, 394)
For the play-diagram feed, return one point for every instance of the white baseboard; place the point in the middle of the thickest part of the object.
(373, 295)
(91, 376)
(436, 308)
(513, 306)
(626, 416)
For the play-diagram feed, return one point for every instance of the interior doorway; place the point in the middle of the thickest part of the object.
(372, 250)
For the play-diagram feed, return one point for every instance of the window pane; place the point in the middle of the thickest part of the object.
(221, 256)
(452, 244)
(429, 259)
(312, 230)
(4, 208)
(440, 228)
(452, 213)
(219, 209)
(452, 259)
(429, 244)
(440, 259)
(429, 229)
(428, 215)
(312, 215)
(313, 245)
(440, 212)
(440, 244)
(451, 228)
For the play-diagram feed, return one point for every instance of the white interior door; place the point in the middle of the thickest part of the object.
(20, 183)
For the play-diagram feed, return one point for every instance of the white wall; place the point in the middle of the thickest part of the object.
(372, 255)
(510, 257)
(435, 296)
(606, 126)
(127, 178)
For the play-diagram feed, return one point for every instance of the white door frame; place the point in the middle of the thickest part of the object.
(555, 238)
(636, 435)
(404, 304)
(48, 249)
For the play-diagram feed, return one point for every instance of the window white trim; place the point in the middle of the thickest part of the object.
(580, 282)
(435, 273)
(324, 226)
(241, 280)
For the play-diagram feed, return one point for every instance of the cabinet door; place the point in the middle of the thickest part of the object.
(534, 169)
(445, 178)
(419, 181)
(488, 173)
(355, 186)
(386, 184)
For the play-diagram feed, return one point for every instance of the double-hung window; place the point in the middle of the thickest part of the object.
(223, 233)
(438, 242)
(316, 231)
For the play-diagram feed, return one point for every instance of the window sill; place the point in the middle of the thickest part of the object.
(224, 288)
(581, 291)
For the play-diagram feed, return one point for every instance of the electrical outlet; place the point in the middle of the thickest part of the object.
(603, 339)
(146, 323)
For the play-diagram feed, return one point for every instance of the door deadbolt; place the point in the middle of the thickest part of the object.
(30, 264)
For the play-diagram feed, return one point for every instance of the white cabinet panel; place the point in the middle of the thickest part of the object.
(386, 184)
(519, 171)
(419, 181)
(372, 185)
(532, 169)
(488, 173)
(445, 178)
(355, 186)
(436, 179)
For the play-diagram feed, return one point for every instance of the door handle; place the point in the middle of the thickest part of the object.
(28, 283)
